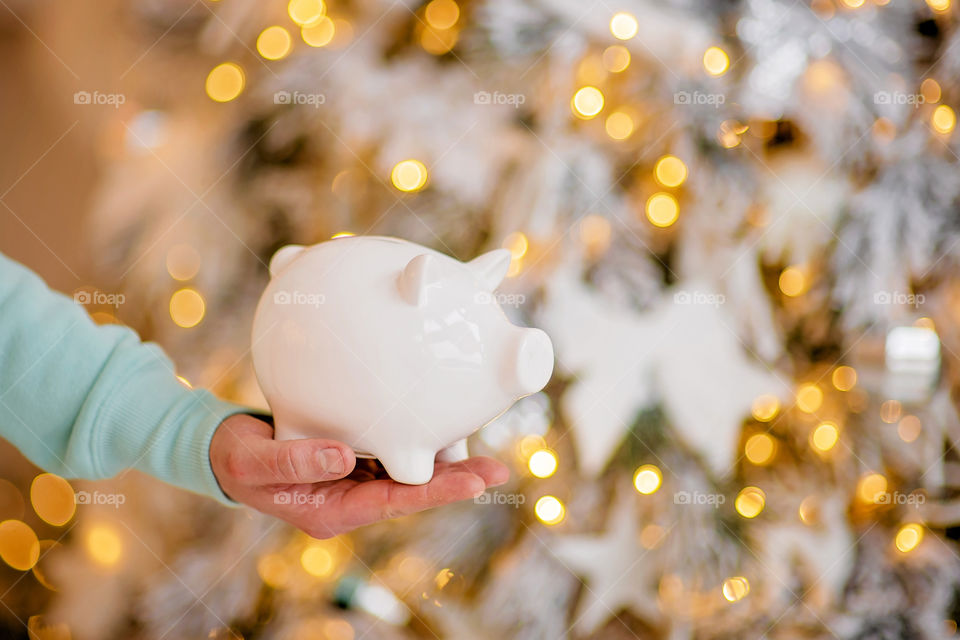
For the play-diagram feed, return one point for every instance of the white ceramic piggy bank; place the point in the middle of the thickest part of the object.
(393, 348)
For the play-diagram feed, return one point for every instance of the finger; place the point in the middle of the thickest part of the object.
(258, 459)
(493, 472)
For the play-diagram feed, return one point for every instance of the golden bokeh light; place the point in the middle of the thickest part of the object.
(517, 243)
(759, 448)
(735, 588)
(943, 119)
(930, 90)
(619, 125)
(274, 43)
(409, 175)
(305, 12)
(587, 102)
(183, 262)
(53, 499)
(623, 25)
(225, 82)
(844, 378)
(890, 411)
(808, 511)
(852, 4)
(670, 171)
(647, 479)
(765, 408)
(104, 545)
(442, 14)
(662, 209)
(616, 58)
(809, 397)
(273, 570)
(716, 61)
(319, 33)
(824, 436)
(651, 536)
(872, 488)
(19, 546)
(750, 502)
(909, 537)
(543, 463)
(595, 233)
(793, 281)
(318, 561)
(909, 428)
(940, 6)
(549, 510)
(187, 307)
(438, 41)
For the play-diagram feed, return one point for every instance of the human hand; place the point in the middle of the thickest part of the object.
(317, 485)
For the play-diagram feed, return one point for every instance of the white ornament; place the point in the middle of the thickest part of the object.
(393, 348)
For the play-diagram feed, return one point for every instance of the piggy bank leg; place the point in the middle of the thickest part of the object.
(455, 452)
(409, 466)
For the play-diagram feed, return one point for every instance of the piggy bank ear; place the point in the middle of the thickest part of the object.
(283, 257)
(491, 267)
(419, 274)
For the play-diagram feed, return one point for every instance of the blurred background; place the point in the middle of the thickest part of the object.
(737, 219)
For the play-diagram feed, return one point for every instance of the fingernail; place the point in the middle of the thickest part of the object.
(331, 460)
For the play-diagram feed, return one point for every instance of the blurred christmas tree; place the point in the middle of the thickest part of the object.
(736, 219)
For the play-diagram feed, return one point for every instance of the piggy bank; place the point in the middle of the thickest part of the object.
(393, 348)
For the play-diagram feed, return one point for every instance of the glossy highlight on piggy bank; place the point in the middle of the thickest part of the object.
(398, 350)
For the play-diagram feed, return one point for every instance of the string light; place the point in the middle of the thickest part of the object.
(909, 428)
(549, 510)
(623, 26)
(670, 171)
(940, 6)
(187, 307)
(844, 378)
(442, 14)
(809, 397)
(853, 4)
(824, 436)
(943, 119)
(872, 488)
(53, 499)
(616, 58)
(274, 43)
(735, 588)
(750, 502)
(19, 546)
(647, 479)
(716, 61)
(765, 408)
(587, 102)
(183, 262)
(759, 448)
(619, 125)
(409, 175)
(662, 209)
(317, 560)
(909, 537)
(305, 12)
(793, 281)
(342, 234)
(319, 33)
(104, 545)
(543, 463)
(273, 570)
(517, 243)
(225, 82)
(438, 41)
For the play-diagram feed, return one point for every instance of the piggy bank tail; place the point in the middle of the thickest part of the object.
(283, 257)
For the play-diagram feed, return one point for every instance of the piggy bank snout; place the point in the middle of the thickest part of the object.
(530, 362)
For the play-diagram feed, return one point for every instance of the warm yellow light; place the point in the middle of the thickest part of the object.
(793, 281)
(595, 233)
(651, 535)
(909, 428)
(183, 262)
(647, 479)
(808, 510)
(872, 487)
(273, 570)
(438, 41)
(274, 43)
(442, 14)
(517, 243)
(342, 234)
(735, 588)
(930, 90)
(409, 175)
(623, 26)
(715, 61)
(543, 463)
(616, 58)
(853, 4)
(185, 382)
(943, 119)
(187, 307)
(759, 448)
(104, 545)
(824, 436)
(319, 33)
(530, 444)
(619, 125)
(939, 6)
(19, 546)
(53, 499)
(750, 502)
(549, 510)
(225, 82)
(305, 12)
(844, 378)
(765, 408)
(587, 102)
(890, 411)
(317, 561)
(662, 209)
(670, 171)
(909, 537)
(809, 397)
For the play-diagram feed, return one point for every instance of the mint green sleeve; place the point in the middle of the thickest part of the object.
(88, 401)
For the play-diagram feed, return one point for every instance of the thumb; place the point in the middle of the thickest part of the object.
(298, 461)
